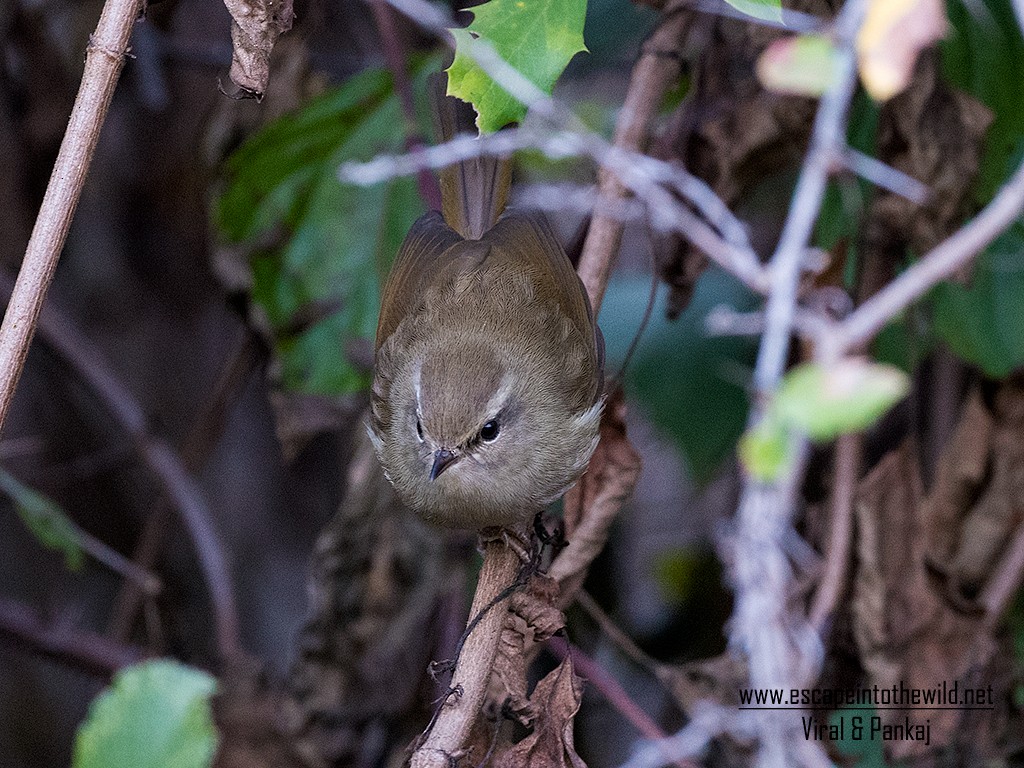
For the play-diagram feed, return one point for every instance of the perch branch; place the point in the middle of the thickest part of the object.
(104, 59)
(451, 727)
(180, 487)
(91, 652)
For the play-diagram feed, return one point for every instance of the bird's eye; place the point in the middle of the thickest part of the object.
(489, 431)
(419, 430)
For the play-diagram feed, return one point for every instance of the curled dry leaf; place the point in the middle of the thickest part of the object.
(556, 700)
(591, 506)
(888, 43)
(532, 618)
(255, 27)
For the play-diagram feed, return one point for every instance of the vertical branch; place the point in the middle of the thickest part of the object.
(652, 76)
(451, 728)
(104, 59)
(781, 650)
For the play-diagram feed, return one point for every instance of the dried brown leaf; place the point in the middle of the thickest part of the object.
(592, 505)
(255, 27)
(532, 619)
(556, 699)
(934, 134)
(888, 43)
(907, 633)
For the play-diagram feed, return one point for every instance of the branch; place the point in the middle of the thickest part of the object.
(782, 651)
(468, 688)
(207, 426)
(943, 261)
(91, 652)
(383, 16)
(165, 464)
(837, 554)
(104, 59)
(652, 76)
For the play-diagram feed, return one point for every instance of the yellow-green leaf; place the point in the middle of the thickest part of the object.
(888, 43)
(766, 10)
(804, 65)
(825, 402)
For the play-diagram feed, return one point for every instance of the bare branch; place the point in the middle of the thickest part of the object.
(782, 650)
(885, 176)
(652, 76)
(943, 261)
(91, 652)
(104, 59)
(159, 456)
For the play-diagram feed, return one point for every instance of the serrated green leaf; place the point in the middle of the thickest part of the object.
(537, 37)
(316, 287)
(764, 450)
(45, 520)
(804, 65)
(766, 10)
(155, 715)
(825, 402)
(983, 322)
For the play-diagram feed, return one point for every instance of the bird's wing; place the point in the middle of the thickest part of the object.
(419, 258)
(527, 238)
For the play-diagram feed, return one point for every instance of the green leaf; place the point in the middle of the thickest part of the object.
(805, 65)
(155, 715)
(316, 250)
(984, 55)
(690, 385)
(766, 10)
(825, 402)
(45, 520)
(536, 37)
(983, 323)
(764, 450)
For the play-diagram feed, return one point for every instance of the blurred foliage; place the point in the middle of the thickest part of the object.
(155, 715)
(317, 288)
(984, 55)
(45, 520)
(768, 10)
(692, 386)
(538, 39)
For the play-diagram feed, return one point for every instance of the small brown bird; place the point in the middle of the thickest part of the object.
(486, 396)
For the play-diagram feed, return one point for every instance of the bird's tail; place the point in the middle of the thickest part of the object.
(474, 192)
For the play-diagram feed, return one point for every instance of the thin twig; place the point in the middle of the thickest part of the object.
(1004, 583)
(206, 428)
(614, 633)
(943, 261)
(613, 693)
(86, 650)
(885, 176)
(104, 59)
(846, 463)
(383, 16)
(159, 456)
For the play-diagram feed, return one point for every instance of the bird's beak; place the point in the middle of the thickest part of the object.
(443, 458)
